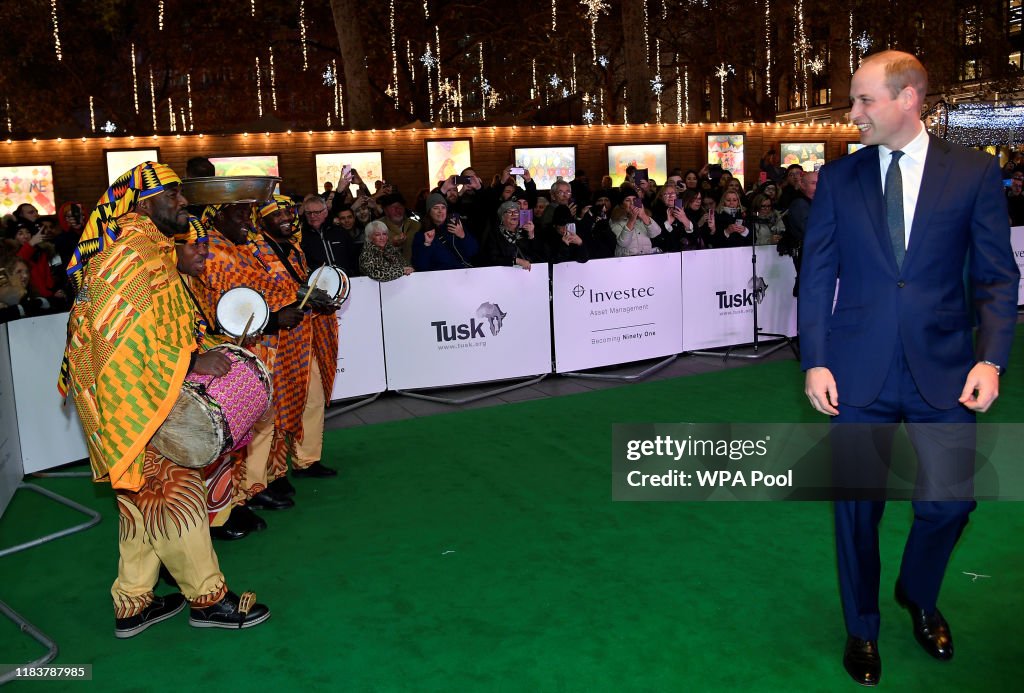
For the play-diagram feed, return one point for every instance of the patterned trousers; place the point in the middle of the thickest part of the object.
(165, 522)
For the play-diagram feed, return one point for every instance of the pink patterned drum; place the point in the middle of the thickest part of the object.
(215, 415)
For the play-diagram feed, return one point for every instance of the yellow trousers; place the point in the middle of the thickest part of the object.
(165, 522)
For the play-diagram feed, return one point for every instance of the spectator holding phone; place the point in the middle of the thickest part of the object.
(561, 196)
(729, 222)
(16, 297)
(401, 227)
(668, 214)
(564, 242)
(633, 226)
(697, 221)
(511, 242)
(41, 259)
(443, 243)
(595, 228)
(766, 223)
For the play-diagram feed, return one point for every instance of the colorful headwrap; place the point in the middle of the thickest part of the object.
(279, 203)
(210, 212)
(195, 233)
(143, 181)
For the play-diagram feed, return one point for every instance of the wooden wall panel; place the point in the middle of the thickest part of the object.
(80, 167)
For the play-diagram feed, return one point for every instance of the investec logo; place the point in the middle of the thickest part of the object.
(754, 291)
(579, 291)
(488, 314)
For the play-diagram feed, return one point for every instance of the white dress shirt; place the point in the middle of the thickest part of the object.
(912, 171)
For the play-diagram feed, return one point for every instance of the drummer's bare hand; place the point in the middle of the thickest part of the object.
(289, 316)
(212, 363)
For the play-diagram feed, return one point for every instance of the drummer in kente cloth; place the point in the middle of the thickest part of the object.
(233, 490)
(131, 342)
(307, 357)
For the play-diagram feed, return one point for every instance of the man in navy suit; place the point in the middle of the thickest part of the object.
(897, 223)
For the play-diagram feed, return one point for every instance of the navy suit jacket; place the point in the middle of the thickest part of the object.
(960, 221)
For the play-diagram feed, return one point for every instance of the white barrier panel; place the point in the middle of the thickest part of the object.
(616, 310)
(1017, 241)
(10, 447)
(50, 432)
(719, 291)
(465, 326)
(360, 343)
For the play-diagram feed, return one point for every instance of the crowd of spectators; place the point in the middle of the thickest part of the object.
(466, 222)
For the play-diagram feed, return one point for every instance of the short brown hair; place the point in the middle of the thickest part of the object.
(901, 70)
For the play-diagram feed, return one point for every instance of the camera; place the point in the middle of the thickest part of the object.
(463, 180)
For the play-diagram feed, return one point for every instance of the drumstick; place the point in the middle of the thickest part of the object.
(245, 330)
(311, 287)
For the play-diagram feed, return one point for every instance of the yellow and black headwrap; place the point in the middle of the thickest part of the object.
(195, 233)
(145, 180)
(278, 203)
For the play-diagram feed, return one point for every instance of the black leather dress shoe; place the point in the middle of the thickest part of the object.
(160, 609)
(931, 630)
(267, 500)
(862, 661)
(315, 470)
(282, 488)
(226, 533)
(231, 612)
(246, 519)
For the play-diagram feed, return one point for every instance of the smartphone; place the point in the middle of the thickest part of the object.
(517, 170)
(638, 203)
(346, 171)
(570, 229)
(454, 218)
(525, 216)
(463, 180)
(679, 203)
(763, 178)
(640, 175)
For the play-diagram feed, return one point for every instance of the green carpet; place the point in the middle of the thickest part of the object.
(481, 550)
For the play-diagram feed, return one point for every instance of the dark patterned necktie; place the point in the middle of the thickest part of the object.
(894, 207)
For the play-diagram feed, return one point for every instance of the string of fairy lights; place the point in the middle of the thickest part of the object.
(446, 98)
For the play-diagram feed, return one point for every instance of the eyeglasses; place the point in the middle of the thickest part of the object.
(316, 211)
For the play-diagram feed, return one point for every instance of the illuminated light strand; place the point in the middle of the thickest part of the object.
(184, 122)
(625, 99)
(647, 36)
(849, 38)
(7, 114)
(459, 95)
(334, 88)
(170, 115)
(722, 72)
(533, 89)
(160, 16)
(302, 34)
(483, 83)
(437, 58)
(252, 8)
(92, 117)
(426, 10)
(135, 82)
(686, 92)
(394, 53)
(679, 95)
(572, 82)
(259, 89)
(341, 105)
(801, 51)
(409, 60)
(152, 98)
(57, 50)
(188, 88)
(656, 86)
(595, 8)
(273, 80)
(768, 47)
(554, 16)
(428, 61)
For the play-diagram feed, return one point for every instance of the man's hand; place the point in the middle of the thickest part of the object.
(212, 363)
(981, 388)
(289, 316)
(820, 388)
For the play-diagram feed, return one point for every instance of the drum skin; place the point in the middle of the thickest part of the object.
(215, 415)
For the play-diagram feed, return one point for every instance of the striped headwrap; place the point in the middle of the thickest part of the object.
(143, 181)
(195, 233)
(278, 203)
